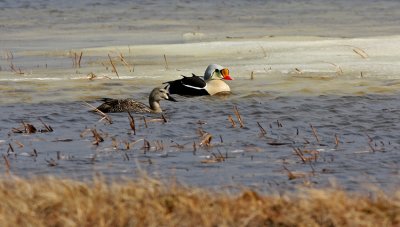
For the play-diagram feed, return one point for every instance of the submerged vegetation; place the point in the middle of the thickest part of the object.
(149, 202)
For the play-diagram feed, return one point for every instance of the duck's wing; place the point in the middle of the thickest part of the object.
(106, 99)
(194, 82)
(134, 106)
(194, 86)
(123, 105)
(108, 105)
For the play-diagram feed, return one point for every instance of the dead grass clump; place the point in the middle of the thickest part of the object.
(238, 116)
(76, 59)
(147, 202)
(30, 129)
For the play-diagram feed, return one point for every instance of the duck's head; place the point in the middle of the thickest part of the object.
(158, 94)
(217, 72)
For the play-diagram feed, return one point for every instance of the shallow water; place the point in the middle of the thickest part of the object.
(366, 154)
(309, 66)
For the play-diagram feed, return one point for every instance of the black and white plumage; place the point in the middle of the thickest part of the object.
(210, 84)
(131, 105)
(194, 86)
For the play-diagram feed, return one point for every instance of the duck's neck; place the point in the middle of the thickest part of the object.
(155, 105)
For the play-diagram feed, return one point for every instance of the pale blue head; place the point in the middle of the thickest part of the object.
(216, 72)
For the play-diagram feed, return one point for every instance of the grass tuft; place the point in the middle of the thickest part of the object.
(148, 202)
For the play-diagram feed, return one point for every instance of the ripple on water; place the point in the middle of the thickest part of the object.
(238, 156)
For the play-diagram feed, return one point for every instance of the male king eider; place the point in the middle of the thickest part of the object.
(124, 105)
(210, 84)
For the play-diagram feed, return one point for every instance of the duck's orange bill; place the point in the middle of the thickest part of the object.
(225, 73)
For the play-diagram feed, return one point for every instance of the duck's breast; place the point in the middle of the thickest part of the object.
(216, 86)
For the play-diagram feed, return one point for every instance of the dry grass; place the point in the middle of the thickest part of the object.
(147, 202)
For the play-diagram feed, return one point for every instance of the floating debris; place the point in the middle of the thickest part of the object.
(277, 143)
(63, 140)
(29, 128)
(206, 140)
(51, 162)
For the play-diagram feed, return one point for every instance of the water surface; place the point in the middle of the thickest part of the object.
(328, 65)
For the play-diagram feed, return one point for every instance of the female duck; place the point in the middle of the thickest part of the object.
(124, 105)
(210, 84)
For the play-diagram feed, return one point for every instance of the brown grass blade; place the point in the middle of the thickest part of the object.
(166, 62)
(112, 64)
(80, 59)
(263, 132)
(127, 65)
(339, 70)
(21, 145)
(10, 148)
(105, 116)
(132, 123)
(336, 140)
(97, 137)
(47, 127)
(360, 52)
(146, 145)
(300, 154)
(8, 167)
(238, 116)
(294, 175)
(232, 121)
(315, 133)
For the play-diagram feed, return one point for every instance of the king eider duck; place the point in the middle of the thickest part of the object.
(131, 105)
(210, 84)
